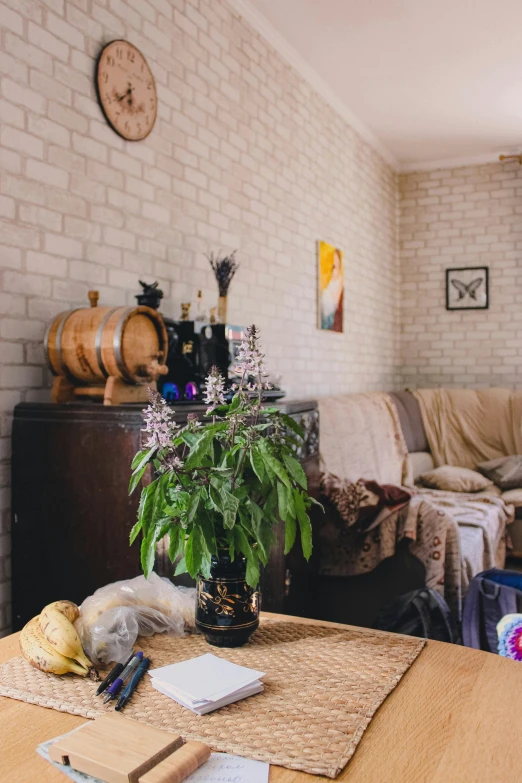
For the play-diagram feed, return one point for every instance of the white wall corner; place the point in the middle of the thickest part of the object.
(248, 12)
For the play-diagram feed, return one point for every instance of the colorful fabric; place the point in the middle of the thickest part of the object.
(509, 631)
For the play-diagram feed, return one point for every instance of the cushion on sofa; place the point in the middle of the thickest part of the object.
(453, 479)
(506, 472)
(421, 462)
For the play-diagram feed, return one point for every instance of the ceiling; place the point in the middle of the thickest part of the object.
(436, 81)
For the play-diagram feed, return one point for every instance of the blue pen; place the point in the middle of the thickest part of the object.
(131, 667)
(133, 684)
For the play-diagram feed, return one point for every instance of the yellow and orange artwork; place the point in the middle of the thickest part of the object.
(330, 287)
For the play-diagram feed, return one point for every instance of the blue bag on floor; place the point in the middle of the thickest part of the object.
(491, 595)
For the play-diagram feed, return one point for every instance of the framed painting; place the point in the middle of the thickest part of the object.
(330, 287)
(467, 288)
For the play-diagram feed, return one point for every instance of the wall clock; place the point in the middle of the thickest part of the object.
(126, 90)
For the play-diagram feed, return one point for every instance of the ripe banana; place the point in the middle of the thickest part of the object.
(42, 655)
(56, 623)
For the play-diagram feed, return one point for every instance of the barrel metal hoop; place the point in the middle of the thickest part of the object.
(98, 342)
(59, 333)
(118, 341)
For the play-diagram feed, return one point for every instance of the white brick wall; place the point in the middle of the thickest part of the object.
(244, 155)
(470, 216)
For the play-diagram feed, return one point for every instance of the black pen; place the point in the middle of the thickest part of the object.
(115, 672)
(133, 684)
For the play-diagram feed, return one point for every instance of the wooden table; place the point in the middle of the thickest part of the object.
(454, 718)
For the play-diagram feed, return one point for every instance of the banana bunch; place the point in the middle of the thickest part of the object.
(50, 642)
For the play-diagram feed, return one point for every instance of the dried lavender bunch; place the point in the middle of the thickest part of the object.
(224, 270)
(223, 484)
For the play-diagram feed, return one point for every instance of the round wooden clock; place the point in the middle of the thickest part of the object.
(126, 90)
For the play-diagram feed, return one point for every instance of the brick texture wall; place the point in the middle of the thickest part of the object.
(244, 155)
(470, 216)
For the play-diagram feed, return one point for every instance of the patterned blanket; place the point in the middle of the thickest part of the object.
(455, 536)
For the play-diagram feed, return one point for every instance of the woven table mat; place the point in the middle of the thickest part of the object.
(322, 687)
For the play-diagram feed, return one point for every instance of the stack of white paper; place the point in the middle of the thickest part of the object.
(206, 683)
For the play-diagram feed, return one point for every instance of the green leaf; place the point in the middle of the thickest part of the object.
(194, 552)
(181, 567)
(252, 571)
(231, 546)
(304, 524)
(148, 551)
(265, 538)
(199, 450)
(215, 499)
(256, 460)
(273, 463)
(136, 478)
(142, 458)
(295, 470)
(290, 534)
(176, 536)
(134, 532)
(146, 507)
(207, 531)
(292, 424)
(230, 507)
(234, 405)
(312, 501)
(241, 542)
(193, 505)
(282, 500)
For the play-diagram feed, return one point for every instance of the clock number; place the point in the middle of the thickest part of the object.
(139, 127)
(119, 53)
(127, 126)
(152, 103)
(108, 98)
(130, 55)
(110, 61)
(105, 76)
(149, 85)
(147, 120)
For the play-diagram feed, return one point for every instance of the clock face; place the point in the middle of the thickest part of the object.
(126, 90)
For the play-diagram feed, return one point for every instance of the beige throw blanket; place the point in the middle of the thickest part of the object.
(465, 427)
(361, 437)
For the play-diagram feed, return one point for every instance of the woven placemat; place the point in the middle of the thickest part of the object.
(322, 687)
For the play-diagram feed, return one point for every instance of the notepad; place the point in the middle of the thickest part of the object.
(206, 683)
(224, 767)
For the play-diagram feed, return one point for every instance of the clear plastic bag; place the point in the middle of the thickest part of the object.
(115, 615)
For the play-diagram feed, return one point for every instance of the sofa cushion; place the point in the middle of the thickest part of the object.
(506, 472)
(410, 418)
(453, 479)
(421, 462)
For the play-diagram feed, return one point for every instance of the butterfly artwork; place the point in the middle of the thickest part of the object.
(467, 288)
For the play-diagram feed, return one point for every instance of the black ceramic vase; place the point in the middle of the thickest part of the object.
(227, 609)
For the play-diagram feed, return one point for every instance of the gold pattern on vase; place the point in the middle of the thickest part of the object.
(225, 603)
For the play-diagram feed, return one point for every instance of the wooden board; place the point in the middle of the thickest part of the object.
(115, 749)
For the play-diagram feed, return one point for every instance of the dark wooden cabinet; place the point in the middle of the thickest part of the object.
(71, 511)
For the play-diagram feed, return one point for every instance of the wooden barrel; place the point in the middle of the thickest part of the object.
(91, 344)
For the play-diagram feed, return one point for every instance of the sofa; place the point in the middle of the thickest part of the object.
(358, 439)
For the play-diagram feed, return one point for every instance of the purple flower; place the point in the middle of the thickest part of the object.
(214, 390)
(250, 360)
(159, 422)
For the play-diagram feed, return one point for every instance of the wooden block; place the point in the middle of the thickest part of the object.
(115, 749)
(179, 766)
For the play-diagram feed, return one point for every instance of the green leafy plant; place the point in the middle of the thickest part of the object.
(223, 484)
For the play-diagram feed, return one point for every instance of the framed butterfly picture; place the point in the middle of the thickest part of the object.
(467, 288)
